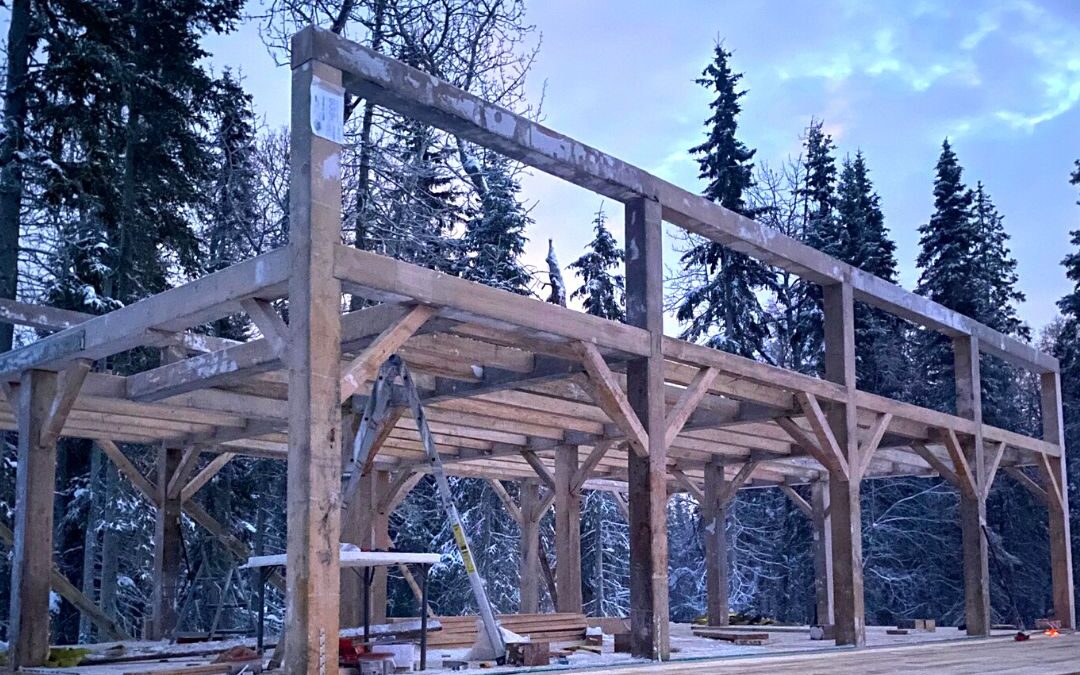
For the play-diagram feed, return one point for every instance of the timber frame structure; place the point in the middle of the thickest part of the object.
(516, 390)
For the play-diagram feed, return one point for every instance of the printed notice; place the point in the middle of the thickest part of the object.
(327, 111)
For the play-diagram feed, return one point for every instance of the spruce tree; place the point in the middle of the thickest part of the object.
(718, 301)
(947, 258)
(1067, 350)
(818, 192)
(881, 363)
(557, 294)
(602, 290)
(495, 238)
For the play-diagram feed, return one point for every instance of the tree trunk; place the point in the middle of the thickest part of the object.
(19, 47)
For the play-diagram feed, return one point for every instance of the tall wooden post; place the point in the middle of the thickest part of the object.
(823, 567)
(973, 503)
(845, 510)
(567, 531)
(35, 484)
(167, 547)
(314, 473)
(380, 540)
(1056, 482)
(714, 519)
(529, 570)
(647, 481)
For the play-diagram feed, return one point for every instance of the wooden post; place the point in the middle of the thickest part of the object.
(714, 512)
(647, 476)
(972, 503)
(823, 568)
(849, 611)
(567, 531)
(167, 547)
(314, 358)
(35, 484)
(355, 529)
(1058, 499)
(529, 570)
(380, 541)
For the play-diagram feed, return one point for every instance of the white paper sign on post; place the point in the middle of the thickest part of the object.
(327, 111)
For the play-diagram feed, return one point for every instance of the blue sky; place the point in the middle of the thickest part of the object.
(1001, 78)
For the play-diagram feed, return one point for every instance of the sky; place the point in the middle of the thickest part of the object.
(999, 78)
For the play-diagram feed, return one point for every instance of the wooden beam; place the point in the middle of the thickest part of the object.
(398, 490)
(269, 323)
(205, 475)
(962, 469)
(867, 449)
(35, 484)
(827, 443)
(936, 463)
(1055, 472)
(202, 300)
(539, 468)
(994, 461)
(508, 501)
(609, 396)
(529, 563)
(1037, 491)
(567, 531)
(314, 465)
(67, 590)
(585, 470)
(177, 478)
(693, 488)
(420, 96)
(647, 473)
(128, 470)
(363, 367)
(70, 383)
(797, 500)
(688, 402)
(824, 612)
(714, 510)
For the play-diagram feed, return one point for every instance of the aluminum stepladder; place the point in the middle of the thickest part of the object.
(376, 416)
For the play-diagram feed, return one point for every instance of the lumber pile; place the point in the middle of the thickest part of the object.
(460, 631)
(734, 637)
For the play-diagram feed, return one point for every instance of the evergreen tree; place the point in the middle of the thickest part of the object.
(823, 230)
(495, 238)
(718, 300)
(602, 291)
(881, 358)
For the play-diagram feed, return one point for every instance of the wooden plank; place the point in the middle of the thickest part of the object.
(647, 474)
(943, 469)
(993, 462)
(129, 471)
(70, 383)
(961, 467)
(314, 464)
(567, 531)
(688, 402)
(1037, 491)
(205, 475)
(35, 483)
(363, 367)
(538, 466)
(269, 323)
(67, 590)
(693, 488)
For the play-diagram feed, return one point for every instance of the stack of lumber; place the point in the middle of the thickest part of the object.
(734, 637)
(460, 631)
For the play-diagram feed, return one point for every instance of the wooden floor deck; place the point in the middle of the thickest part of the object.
(1040, 655)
